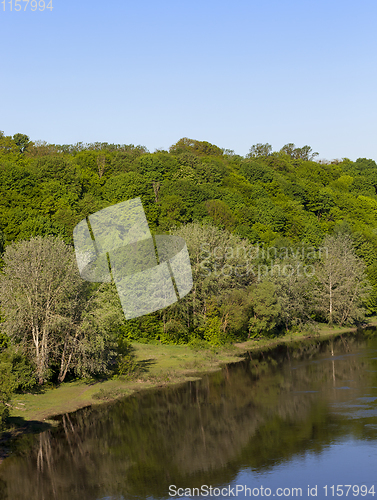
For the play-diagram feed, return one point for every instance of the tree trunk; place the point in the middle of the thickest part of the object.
(330, 304)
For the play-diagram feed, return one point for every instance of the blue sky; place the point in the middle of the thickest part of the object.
(233, 73)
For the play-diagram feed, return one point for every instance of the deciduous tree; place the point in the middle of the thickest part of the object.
(52, 313)
(341, 281)
(259, 149)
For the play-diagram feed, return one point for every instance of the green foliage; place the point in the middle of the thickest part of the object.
(97, 162)
(21, 370)
(64, 325)
(4, 341)
(304, 153)
(255, 171)
(143, 329)
(270, 214)
(39, 225)
(174, 332)
(214, 330)
(259, 150)
(6, 391)
(220, 214)
(2, 242)
(16, 375)
(211, 197)
(211, 170)
(265, 316)
(342, 284)
(123, 187)
(190, 193)
(22, 141)
(125, 364)
(154, 167)
(173, 211)
(8, 147)
(196, 147)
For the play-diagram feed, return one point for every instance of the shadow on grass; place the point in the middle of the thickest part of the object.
(18, 427)
(144, 365)
(136, 368)
(37, 389)
(19, 424)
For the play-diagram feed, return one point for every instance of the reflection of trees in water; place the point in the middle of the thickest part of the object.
(46, 467)
(252, 414)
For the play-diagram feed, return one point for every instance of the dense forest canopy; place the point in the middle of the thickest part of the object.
(286, 204)
(47, 189)
(266, 196)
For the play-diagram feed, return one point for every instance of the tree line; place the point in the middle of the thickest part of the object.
(254, 227)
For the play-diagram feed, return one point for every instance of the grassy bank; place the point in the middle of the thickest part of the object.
(158, 365)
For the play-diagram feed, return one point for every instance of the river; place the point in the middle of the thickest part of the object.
(299, 420)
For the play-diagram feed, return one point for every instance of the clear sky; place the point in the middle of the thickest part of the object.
(233, 73)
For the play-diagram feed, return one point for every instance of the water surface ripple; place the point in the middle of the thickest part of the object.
(298, 416)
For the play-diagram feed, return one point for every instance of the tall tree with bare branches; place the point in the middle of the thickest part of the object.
(55, 316)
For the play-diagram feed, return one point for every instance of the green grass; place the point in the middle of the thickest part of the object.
(158, 365)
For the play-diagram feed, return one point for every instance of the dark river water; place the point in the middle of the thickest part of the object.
(296, 421)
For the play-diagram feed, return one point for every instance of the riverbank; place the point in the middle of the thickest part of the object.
(158, 365)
